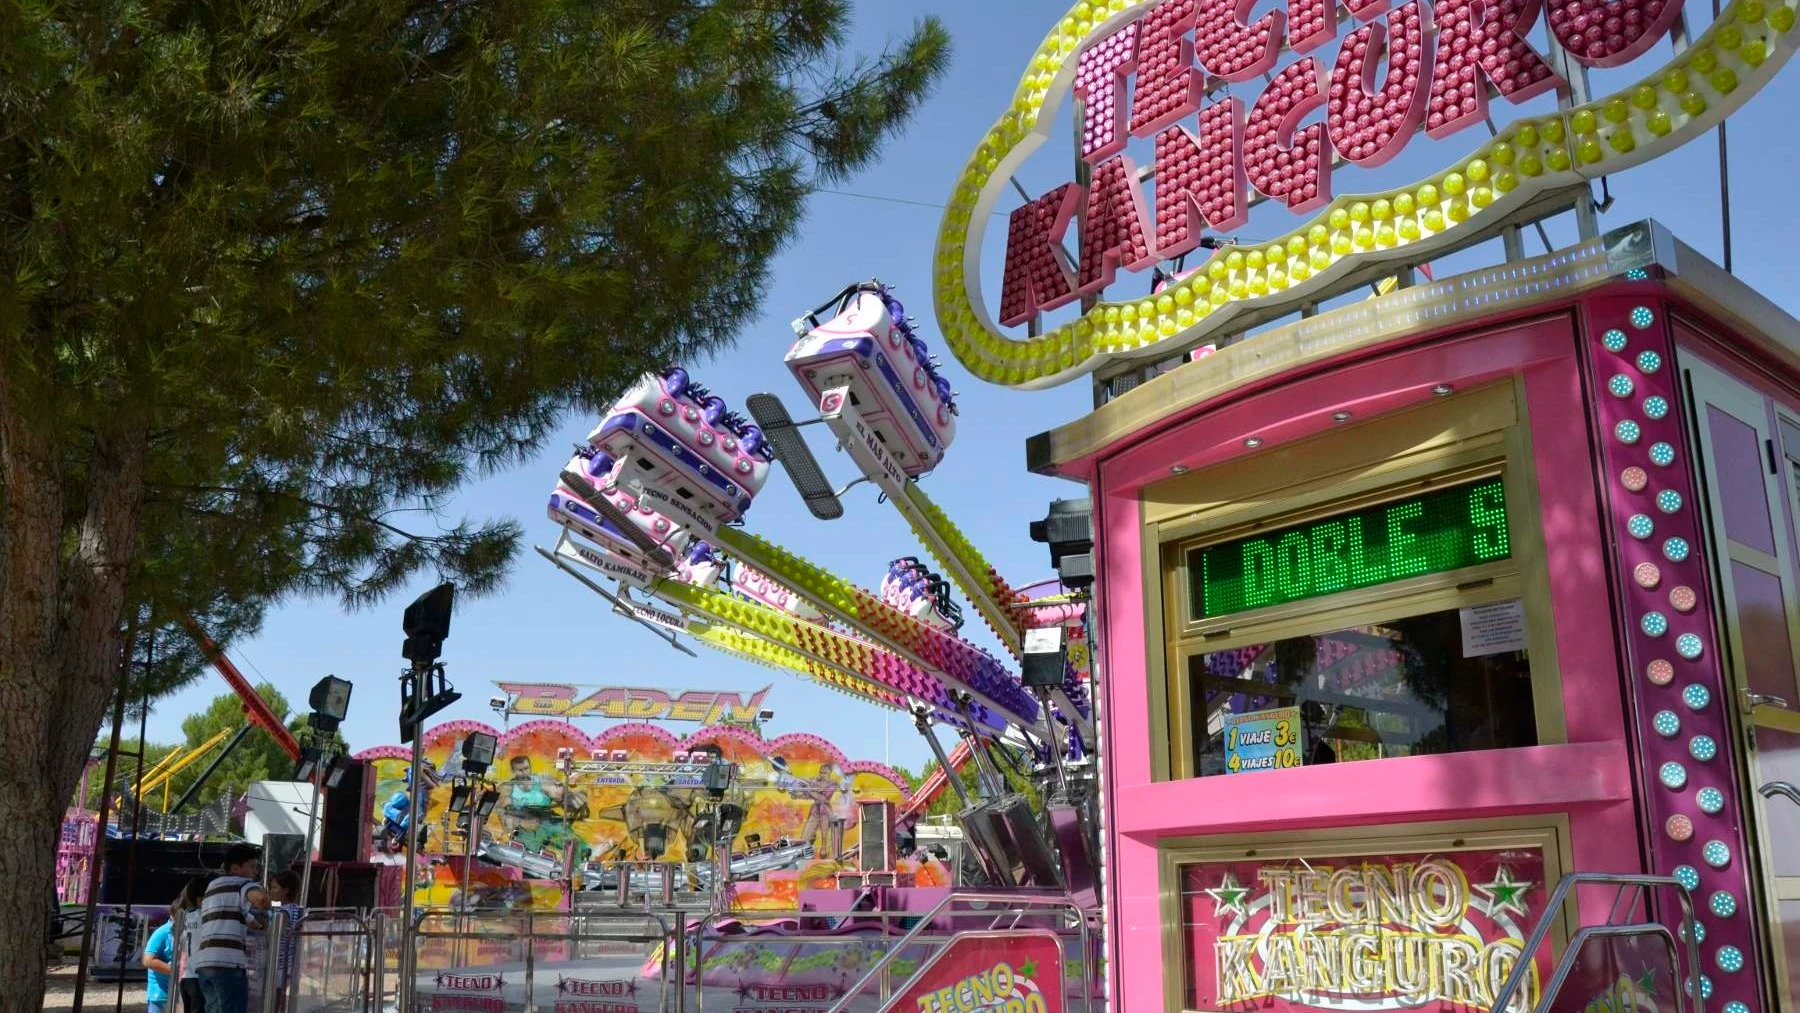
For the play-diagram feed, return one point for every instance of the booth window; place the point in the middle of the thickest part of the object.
(1392, 629)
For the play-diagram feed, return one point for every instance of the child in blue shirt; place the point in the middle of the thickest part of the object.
(158, 953)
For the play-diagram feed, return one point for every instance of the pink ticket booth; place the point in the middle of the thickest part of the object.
(1411, 609)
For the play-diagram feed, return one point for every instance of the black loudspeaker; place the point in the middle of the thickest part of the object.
(1071, 833)
(1037, 861)
(1011, 847)
(875, 851)
(157, 869)
(1044, 659)
(345, 815)
(281, 852)
(345, 886)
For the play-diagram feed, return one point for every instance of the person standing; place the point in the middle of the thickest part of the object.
(187, 918)
(231, 901)
(158, 952)
(265, 964)
(284, 893)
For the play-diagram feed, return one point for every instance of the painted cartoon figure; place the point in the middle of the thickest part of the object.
(530, 810)
(396, 816)
(829, 814)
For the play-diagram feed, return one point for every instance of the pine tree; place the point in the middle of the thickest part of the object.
(277, 276)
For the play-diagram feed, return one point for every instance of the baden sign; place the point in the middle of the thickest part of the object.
(1157, 70)
(558, 700)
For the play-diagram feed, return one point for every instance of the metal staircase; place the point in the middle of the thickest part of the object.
(1625, 923)
(1001, 912)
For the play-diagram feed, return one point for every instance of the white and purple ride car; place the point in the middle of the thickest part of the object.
(914, 590)
(674, 462)
(869, 345)
(671, 441)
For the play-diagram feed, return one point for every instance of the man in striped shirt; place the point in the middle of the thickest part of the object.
(231, 901)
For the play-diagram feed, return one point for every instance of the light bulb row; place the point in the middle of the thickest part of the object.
(1532, 155)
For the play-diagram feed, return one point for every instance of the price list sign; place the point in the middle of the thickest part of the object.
(1263, 740)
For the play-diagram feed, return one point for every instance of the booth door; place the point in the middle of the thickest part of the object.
(1748, 478)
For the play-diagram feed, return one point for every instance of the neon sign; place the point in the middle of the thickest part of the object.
(1155, 70)
(1433, 533)
(1400, 932)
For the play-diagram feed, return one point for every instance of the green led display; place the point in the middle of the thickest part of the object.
(1434, 533)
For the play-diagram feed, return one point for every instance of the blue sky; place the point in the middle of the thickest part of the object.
(545, 627)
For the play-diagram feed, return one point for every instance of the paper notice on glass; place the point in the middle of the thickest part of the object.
(1493, 629)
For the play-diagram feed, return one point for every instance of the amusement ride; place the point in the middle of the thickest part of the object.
(1423, 641)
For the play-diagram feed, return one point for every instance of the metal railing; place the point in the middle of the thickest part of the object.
(1016, 905)
(324, 973)
(1783, 788)
(345, 961)
(839, 931)
(1685, 998)
(590, 926)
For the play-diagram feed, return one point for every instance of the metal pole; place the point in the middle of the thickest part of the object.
(680, 962)
(473, 843)
(1724, 180)
(988, 774)
(722, 886)
(1057, 741)
(106, 784)
(270, 1000)
(951, 777)
(137, 823)
(1725, 196)
(312, 823)
(472, 849)
(530, 963)
(177, 919)
(378, 962)
(414, 819)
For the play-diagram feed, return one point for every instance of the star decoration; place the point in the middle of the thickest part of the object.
(1505, 894)
(1229, 896)
(1647, 981)
(1028, 968)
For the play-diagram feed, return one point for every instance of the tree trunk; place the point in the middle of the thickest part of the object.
(62, 597)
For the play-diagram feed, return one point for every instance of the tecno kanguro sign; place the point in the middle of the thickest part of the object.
(1234, 106)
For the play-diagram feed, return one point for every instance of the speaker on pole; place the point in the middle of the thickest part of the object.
(344, 818)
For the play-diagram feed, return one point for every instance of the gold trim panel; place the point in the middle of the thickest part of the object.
(1395, 317)
(1547, 833)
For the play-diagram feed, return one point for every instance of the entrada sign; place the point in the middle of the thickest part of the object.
(626, 703)
(1156, 70)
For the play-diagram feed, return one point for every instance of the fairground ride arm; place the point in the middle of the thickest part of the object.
(254, 707)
